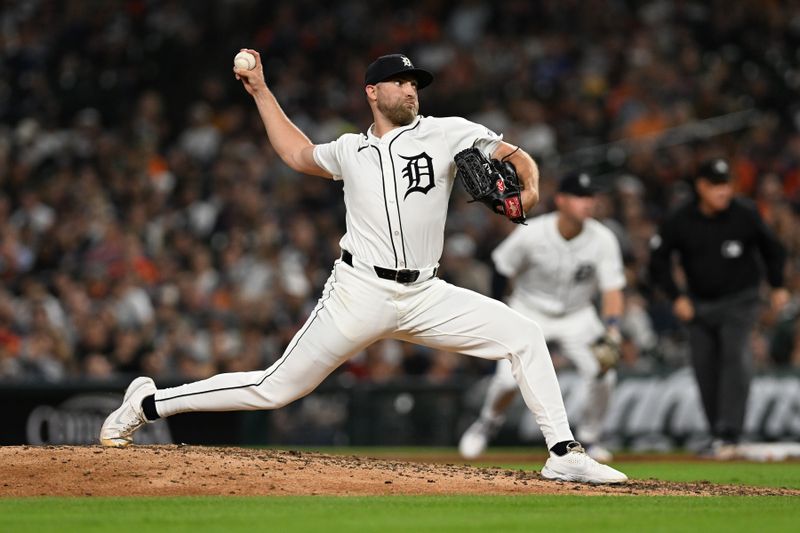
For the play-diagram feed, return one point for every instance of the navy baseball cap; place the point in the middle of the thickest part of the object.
(577, 184)
(390, 65)
(715, 170)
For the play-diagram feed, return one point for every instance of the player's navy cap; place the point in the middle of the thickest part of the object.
(390, 65)
(715, 170)
(577, 184)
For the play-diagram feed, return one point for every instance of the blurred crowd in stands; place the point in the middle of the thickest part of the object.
(146, 225)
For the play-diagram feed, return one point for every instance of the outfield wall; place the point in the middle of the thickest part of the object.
(652, 412)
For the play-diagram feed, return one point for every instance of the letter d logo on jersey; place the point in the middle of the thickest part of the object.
(419, 173)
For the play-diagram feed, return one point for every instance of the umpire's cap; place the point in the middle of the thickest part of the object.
(577, 184)
(715, 170)
(390, 65)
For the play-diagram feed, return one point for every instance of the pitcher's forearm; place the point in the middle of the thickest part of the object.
(527, 171)
(286, 138)
(528, 174)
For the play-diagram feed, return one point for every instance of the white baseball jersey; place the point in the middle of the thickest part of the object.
(396, 188)
(556, 276)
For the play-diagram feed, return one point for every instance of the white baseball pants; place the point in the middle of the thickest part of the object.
(356, 309)
(575, 333)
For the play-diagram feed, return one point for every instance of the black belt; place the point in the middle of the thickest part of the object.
(400, 276)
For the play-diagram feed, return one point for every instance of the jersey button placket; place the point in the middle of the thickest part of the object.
(391, 194)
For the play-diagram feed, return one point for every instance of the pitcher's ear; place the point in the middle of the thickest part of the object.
(371, 91)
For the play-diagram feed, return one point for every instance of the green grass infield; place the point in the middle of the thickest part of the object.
(402, 514)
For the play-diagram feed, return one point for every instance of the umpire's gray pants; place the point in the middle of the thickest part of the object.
(719, 336)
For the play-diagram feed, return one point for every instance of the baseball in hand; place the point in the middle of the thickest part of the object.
(245, 60)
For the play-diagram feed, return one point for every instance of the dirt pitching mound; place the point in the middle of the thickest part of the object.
(193, 470)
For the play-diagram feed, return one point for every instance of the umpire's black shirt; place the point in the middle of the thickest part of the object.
(719, 254)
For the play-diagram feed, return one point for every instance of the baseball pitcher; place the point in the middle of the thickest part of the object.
(397, 179)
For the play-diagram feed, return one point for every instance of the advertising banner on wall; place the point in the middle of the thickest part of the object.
(662, 412)
(647, 413)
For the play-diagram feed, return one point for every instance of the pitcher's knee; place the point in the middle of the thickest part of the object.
(531, 343)
(504, 381)
(275, 398)
(529, 346)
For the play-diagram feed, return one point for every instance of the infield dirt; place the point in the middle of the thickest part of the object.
(193, 470)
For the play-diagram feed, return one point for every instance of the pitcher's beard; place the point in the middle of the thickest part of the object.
(399, 115)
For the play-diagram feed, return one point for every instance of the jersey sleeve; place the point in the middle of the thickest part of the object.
(610, 270)
(327, 156)
(510, 255)
(462, 133)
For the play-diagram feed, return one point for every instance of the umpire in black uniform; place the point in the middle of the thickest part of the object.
(725, 249)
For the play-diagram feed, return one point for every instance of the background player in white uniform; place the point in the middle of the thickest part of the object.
(397, 180)
(558, 263)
